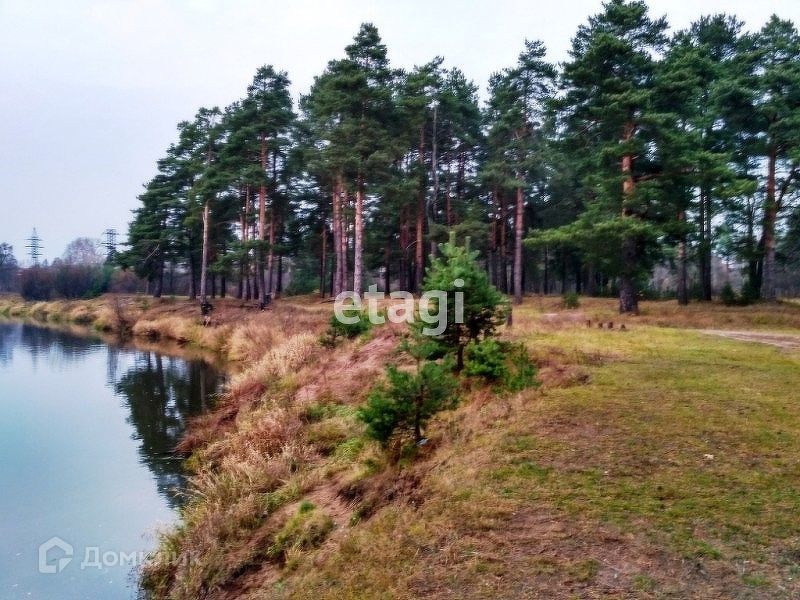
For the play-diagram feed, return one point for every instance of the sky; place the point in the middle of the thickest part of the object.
(91, 91)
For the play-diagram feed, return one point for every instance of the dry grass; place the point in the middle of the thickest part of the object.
(666, 469)
(667, 313)
(269, 444)
(276, 363)
(110, 313)
(654, 462)
(237, 330)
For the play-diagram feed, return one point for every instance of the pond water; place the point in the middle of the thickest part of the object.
(87, 472)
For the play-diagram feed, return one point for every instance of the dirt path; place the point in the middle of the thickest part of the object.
(786, 341)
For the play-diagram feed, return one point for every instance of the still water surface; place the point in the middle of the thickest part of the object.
(87, 431)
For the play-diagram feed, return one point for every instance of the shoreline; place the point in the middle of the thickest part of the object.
(165, 347)
(289, 499)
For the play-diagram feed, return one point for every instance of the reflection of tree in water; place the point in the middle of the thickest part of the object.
(162, 393)
(9, 337)
(41, 341)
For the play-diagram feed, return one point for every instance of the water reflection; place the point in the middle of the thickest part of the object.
(161, 393)
(56, 345)
(87, 430)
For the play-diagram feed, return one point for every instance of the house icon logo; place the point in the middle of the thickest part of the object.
(54, 555)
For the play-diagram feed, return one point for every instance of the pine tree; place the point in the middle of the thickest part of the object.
(609, 83)
(777, 107)
(519, 99)
(267, 117)
(483, 309)
(418, 102)
(695, 148)
(349, 108)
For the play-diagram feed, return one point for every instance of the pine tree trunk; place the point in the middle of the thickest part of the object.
(344, 240)
(336, 286)
(519, 230)
(387, 263)
(628, 301)
(262, 223)
(704, 254)
(279, 277)
(240, 284)
(683, 290)
(404, 274)
(159, 282)
(628, 295)
(768, 290)
(358, 250)
(435, 177)
(204, 261)
(419, 250)
(246, 238)
(271, 252)
(323, 260)
(448, 200)
(709, 289)
(701, 254)
(491, 263)
(272, 286)
(333, 275)
(503, 244)
(256, 279)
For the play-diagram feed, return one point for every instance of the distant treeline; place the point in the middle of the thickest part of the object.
(82, 272)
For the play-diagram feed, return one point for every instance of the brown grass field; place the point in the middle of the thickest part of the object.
(661, 460)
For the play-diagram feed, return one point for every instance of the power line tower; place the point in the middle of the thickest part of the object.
(34, 247)
(110, 243)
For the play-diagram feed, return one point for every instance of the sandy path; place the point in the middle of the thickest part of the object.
(787, 341)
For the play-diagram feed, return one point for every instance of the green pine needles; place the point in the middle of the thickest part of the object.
(398, 409)
(483, 309)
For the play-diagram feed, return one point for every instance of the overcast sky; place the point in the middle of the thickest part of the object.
(90, 90)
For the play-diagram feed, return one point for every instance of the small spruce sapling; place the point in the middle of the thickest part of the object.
(404, 404)
(484, 308)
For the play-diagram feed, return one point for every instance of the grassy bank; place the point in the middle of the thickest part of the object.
(654, 463)
(658, 461)
(237, 330)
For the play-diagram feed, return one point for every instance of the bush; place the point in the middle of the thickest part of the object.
(338, 330)
(485, 359)
(728, 296)
(404, 404)
(571, 300)
(36, 283)
(501, 362)
(521, 373)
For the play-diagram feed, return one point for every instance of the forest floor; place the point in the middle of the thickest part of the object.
(661, 460)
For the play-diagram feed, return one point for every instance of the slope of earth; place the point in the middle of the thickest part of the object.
(653, 462)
